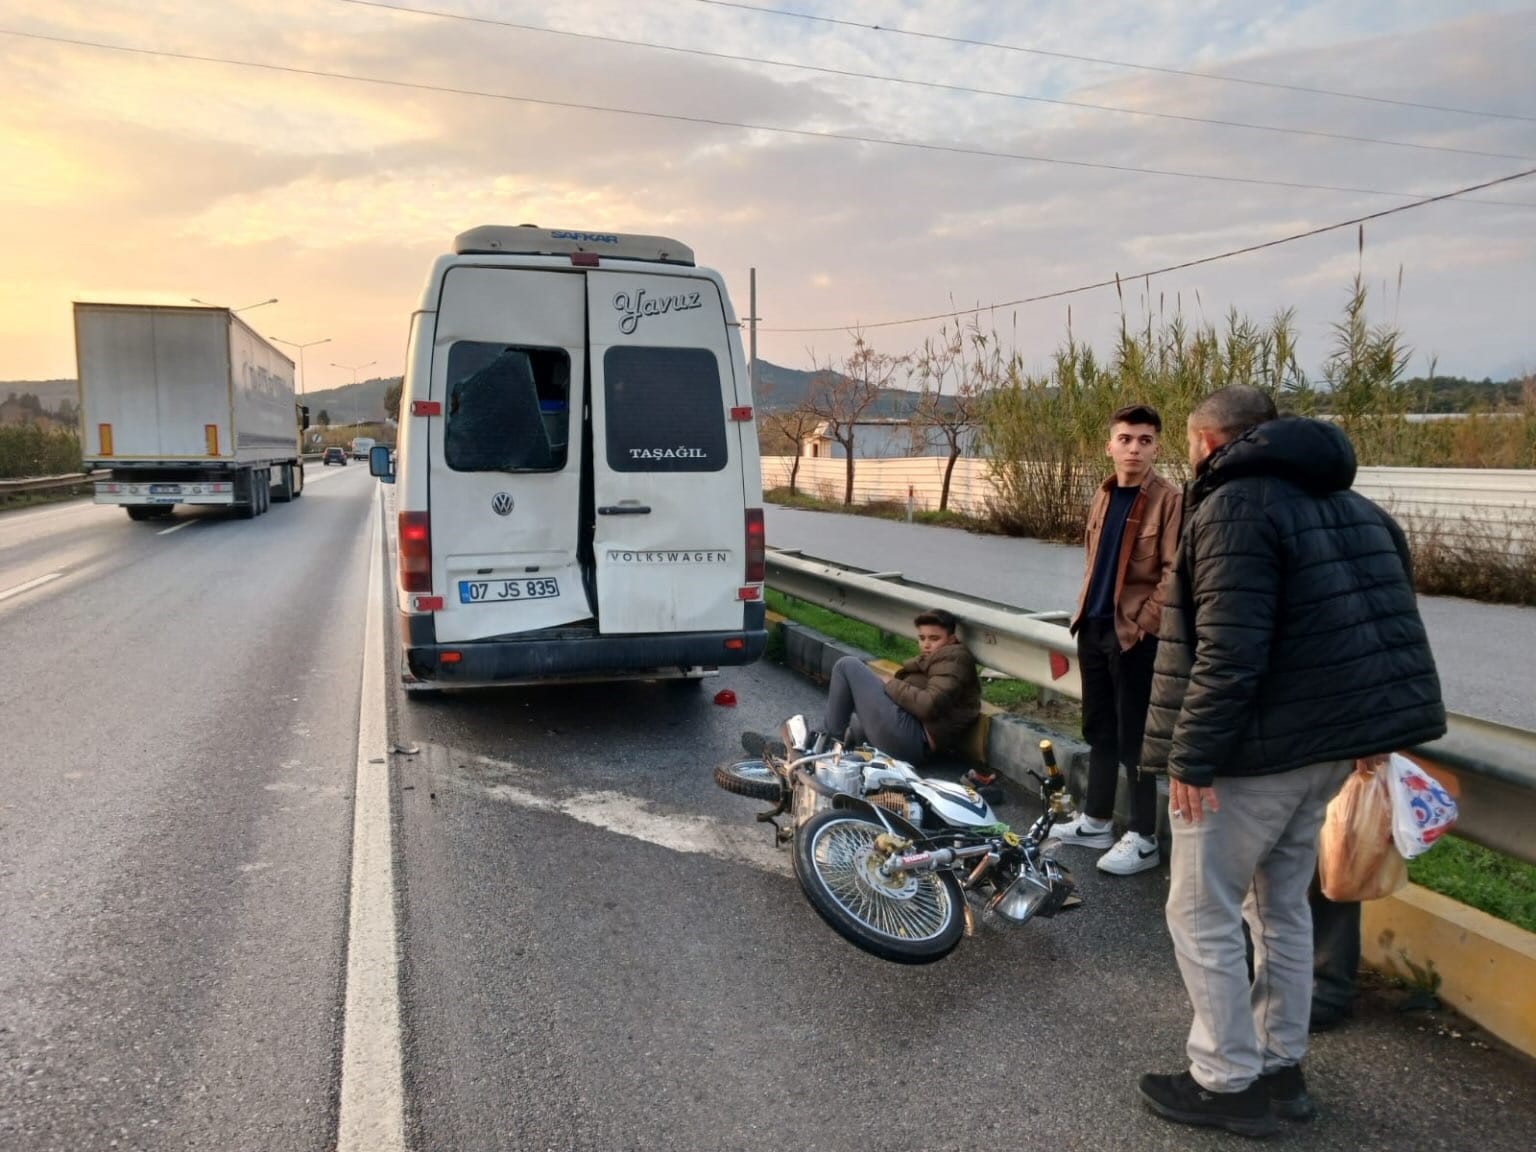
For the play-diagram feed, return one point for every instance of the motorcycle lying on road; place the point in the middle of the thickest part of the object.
(899, 864)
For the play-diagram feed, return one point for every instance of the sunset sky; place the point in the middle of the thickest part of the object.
(134, 175)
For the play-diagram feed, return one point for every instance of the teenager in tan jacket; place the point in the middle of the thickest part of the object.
(1130, 545)
(926, 707)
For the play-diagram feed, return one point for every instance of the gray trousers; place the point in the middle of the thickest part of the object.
(1252, 860)
(856, 697)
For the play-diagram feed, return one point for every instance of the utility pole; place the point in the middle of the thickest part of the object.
(752, 328)
(354, 369)
(300, 347)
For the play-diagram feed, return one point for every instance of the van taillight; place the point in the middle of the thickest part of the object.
(755, 545)
(415, 552)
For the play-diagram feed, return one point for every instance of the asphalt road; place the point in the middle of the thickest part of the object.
(179, 718)
(598, 948)
(1485, 652)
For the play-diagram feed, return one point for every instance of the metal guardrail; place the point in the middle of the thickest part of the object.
(44, 483)
(1025, 645)
(1489, 768)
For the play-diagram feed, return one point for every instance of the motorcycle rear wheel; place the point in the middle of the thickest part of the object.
(751, 778)
(912, 918)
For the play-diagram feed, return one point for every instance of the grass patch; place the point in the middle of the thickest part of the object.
(1498, 885)
(1009, 695)
(865, 636)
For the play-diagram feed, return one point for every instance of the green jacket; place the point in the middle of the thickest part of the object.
(942, 690)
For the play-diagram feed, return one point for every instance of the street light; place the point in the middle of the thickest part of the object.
(247, 308)
(354, 370)
(300, 347)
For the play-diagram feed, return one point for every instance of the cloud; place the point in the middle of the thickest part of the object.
(224, 182)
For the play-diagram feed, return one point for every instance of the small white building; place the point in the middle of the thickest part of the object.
(885, 438)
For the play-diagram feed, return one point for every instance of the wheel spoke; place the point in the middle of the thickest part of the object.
(910, 907)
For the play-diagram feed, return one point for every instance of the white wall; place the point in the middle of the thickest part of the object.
(1490, 497)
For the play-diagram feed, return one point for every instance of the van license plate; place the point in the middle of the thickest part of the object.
(496, 591)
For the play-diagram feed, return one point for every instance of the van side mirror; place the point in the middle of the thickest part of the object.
(379, 463)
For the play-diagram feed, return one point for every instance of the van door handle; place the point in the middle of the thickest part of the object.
(624, 510)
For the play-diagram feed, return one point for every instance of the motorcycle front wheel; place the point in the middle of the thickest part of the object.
(751, 778)
(911, 918)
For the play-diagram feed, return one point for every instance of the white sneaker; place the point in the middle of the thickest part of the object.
(1084, 832)
(1134, 853)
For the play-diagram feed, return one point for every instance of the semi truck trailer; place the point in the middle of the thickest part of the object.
(186, 405)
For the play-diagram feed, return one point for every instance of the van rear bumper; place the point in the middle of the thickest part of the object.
(507, 661)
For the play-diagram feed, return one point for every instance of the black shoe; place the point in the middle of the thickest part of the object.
(1180, 1099)
(1327, 1017)
(1287, 1090)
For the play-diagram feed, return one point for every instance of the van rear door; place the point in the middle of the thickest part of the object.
(669, 537)
(504, 480)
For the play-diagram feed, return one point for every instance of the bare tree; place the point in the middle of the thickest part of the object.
(783, 428)
(955, 373)
(841, 396)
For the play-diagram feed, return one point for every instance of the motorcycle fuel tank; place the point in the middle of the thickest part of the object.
(955, 803)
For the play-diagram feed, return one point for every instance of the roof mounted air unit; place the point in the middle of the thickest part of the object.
(525, 240)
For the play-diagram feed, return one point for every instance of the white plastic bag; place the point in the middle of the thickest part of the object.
(1422, 810)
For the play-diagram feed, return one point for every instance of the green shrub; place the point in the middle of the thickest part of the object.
(27, 450)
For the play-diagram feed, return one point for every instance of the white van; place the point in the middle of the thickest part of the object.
(579, 488)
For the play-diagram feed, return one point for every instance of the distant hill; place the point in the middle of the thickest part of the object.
(351, 403)
(775, 389)
(50, 393)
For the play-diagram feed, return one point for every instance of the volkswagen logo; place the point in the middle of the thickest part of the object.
(501, 503)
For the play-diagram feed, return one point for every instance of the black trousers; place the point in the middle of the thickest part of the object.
(1117, 687)
(1335, 950)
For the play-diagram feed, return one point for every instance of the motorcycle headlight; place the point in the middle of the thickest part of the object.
(1034, 893)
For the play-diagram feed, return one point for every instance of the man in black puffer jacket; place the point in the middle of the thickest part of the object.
(1290, 644)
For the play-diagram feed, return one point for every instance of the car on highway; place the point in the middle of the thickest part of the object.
(334, 455)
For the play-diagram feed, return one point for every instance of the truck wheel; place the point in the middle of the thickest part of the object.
(250, 509)
(142, 512)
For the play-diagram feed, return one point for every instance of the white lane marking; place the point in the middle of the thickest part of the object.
(313, 477)
(628, 816)
(372, 1117)
(176, 527)
(27, 586)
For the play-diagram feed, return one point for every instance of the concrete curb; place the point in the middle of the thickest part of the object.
(1480, 966)
(1486, 968)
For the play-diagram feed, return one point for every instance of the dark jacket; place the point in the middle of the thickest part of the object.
(1290, 635)
(942, 690)
(1147, 550)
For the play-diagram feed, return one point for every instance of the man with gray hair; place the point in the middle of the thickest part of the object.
(1290, 644)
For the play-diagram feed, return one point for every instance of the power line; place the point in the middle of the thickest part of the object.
(933, 84)
(716, 122)
(1171, 267)
(765, 11)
